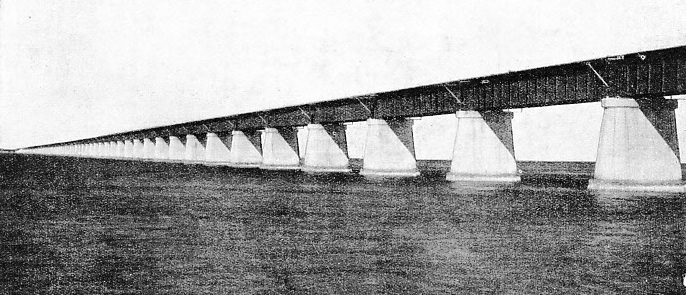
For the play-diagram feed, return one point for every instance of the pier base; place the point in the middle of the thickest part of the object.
(177, 149)
(326, 150)
(246, 149)
(217, 151)
(389, 149)
(161, 149)
(484, 149)
(280, 149)
(195, 150)
(638, 149)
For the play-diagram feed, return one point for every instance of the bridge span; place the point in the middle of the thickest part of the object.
(638, 147)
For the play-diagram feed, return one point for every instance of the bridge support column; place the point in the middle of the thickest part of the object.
(195, 150)
(148, 148)
(246, 149)
(389, 149)
(638, 148)
(326, 149)
(128, 148)
(120, 149)
(161, 149)
(112, 149)
(484, 149)
(96, 150)
(280, 149)
(177, 149)
(105, 152)
(217, 150)
(137, 149)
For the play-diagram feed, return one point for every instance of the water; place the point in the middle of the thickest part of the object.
(86, 226)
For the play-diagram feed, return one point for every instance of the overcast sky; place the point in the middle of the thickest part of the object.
(76, 69)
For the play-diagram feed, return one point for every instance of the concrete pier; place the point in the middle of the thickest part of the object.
(103, 150)
(137, 148)
(217, 150)
(326, 149)
(389, 149)
(246, 149)
(637, 150)
(161, 149)
(148, 148)
(100, 150)
(484, 149)
(128, 148)
(195, 150)
(280, 149)
(112, 149)
(177, 149)
(121, 147)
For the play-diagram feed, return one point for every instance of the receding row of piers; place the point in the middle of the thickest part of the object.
(637, 150)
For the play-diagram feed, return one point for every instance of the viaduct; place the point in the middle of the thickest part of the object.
(638, 148)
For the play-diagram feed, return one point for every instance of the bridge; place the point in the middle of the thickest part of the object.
(638, 147)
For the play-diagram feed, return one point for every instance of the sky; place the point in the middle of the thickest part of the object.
(77, 69)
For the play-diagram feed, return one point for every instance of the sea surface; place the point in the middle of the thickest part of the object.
(93, 226)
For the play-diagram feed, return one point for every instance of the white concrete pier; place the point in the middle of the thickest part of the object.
(217, 149)
(177, 149)
(161, 149)
(148, 149)
(137, 148)
(128, 148)
(112, 149)
(121, 147)
(389, 149)
(326, 149)
(633, 155)
(100, 150)
(280, 149)
(484, 149)
(195, 150)
(246, 149)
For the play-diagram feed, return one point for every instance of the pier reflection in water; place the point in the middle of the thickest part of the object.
(103, 226)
